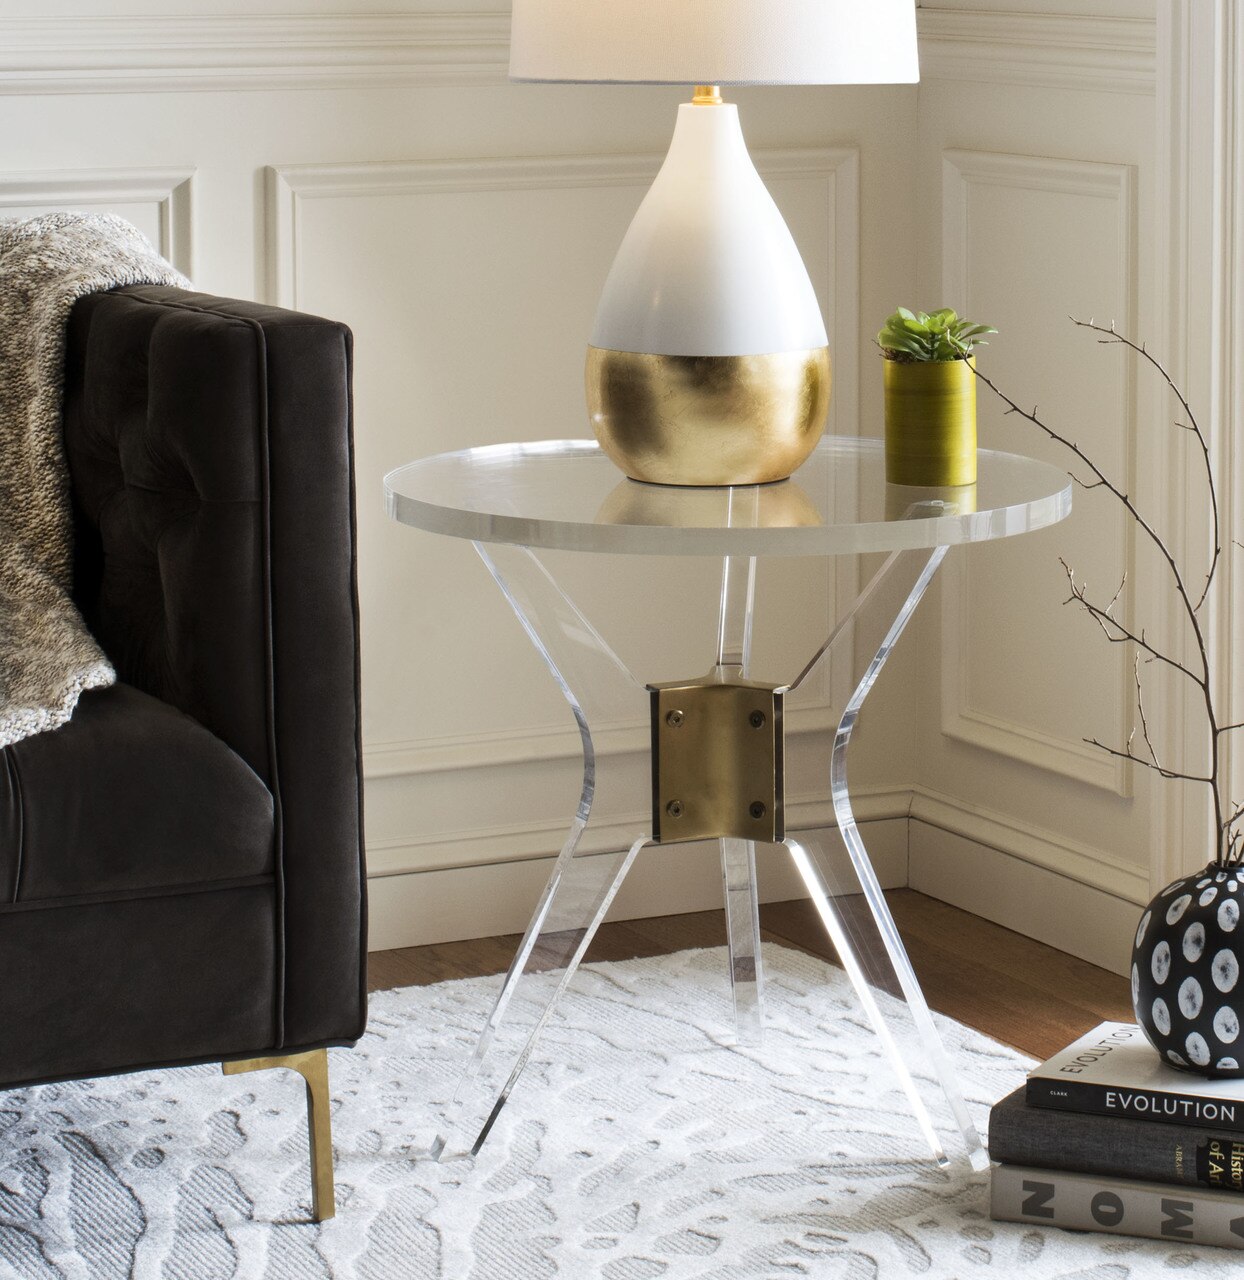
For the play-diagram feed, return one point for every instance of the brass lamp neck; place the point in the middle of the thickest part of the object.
(707, 95)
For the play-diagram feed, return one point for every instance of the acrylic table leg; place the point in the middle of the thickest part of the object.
(738, 857)
(584, 881)
(738, 867)
(863, 978)
(736, 610)
(845, 889)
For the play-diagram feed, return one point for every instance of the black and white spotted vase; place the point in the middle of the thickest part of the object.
(1186, 983)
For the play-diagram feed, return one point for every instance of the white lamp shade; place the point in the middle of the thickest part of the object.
(708, 267)
(715, 41)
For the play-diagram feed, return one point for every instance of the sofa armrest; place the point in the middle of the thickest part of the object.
(211, 457)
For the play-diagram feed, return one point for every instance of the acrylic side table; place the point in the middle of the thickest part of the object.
(720, 754)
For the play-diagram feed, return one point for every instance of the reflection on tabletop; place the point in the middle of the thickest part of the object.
(784, 505)
(913, 502)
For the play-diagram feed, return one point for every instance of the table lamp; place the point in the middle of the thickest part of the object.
(709, 363)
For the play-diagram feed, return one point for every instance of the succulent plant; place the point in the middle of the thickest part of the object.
(930, 337)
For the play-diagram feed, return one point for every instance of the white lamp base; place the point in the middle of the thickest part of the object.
(708, 363)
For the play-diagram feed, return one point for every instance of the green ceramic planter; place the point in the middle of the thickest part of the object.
(930, 422)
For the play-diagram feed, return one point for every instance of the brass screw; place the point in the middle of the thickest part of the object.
(674, 719)
(757, 809)
(674, 808)
(756, 719)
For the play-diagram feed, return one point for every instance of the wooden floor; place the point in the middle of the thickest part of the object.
(1013, 989)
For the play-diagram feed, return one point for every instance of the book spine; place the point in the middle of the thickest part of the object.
(1134, 1104)
(1081, 1202)
(1116, 1148)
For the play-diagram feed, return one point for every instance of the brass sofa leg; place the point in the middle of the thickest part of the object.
(313, 1067)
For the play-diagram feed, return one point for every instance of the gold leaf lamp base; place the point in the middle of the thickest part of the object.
(708, 420)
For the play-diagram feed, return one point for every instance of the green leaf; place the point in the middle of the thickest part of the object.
(908, 346)
(902, 342)
(932, 336)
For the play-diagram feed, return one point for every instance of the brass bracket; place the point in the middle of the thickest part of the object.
(717, 761)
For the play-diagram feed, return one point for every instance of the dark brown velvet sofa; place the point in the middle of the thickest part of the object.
(181, 865)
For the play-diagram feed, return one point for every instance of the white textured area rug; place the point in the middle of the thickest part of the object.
(639, 1145)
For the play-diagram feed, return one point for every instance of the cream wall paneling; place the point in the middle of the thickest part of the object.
(482, 761)
(508, 841)
(968, 641)
(1104, 54)
(1086, 9)
(1228, 399)
(417, 822)
(481, 900)
(223, 52)
(158, 201)
(1188, 240)
(1199, 252)
(238, 51)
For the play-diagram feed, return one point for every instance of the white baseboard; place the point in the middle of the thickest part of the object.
(482, 901)
(1071, 859)
(1074, 898)
(1066, 913)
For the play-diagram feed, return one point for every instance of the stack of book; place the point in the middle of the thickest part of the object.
(1106, 1137)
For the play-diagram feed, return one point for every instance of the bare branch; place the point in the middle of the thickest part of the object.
(1120, 634)
(1234, 836)
(1233, 844)
(1128, 754)
(1191, 425)
(1233, 850)
(1191, 610)
(1140, 711)
(1124, 498)
(1114, 599)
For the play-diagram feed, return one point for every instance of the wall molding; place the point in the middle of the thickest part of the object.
(508, 842)
(161, 53)
(289, 187)
(1199, 255)
(1116, 183)
(998, 866)
(1015, 838)
(171, 190)
(1051, 51)
(445, 905)
(1004, 834)
(494, 753)
(505, 747)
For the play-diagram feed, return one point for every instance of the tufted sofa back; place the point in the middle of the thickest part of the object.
(165, 429)
(211, 458)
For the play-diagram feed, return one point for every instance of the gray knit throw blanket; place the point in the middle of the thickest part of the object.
(47, 656)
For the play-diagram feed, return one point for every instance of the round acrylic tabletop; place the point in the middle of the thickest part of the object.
(567, 495)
